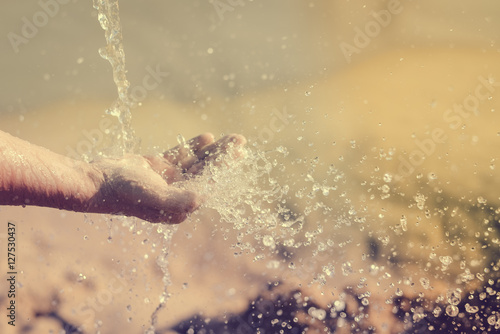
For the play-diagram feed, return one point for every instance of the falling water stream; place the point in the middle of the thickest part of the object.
(109, 19)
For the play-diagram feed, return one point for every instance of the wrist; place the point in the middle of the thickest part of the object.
(84, 194)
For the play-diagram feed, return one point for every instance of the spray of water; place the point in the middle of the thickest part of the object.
(248, 197)
(109, 19)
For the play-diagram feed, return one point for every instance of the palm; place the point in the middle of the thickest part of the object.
(141, 186)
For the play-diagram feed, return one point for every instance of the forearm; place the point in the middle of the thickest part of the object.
(33, 175)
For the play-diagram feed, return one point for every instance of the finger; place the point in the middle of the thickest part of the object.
(169, 172)
(183, 155)
(221, 146)
(214, 152)
(224, 145)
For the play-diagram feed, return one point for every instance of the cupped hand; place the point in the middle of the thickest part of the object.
(141, 186)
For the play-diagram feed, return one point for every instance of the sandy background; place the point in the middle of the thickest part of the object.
(230, 74)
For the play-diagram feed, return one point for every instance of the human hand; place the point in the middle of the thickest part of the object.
(141, 186)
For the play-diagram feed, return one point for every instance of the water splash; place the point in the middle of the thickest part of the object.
(254, 204)
(255, 207)
(238, 191)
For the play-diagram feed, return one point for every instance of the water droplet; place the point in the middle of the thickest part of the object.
(446, 260)
(329, 270)
(347, 268)
(454, 296)
(452, 310)
(317, 313)
(268, 241)
(103, 53)
(339, 305)
(425, 283)
(403, 222)
(432, 176)
(81, 277)
(387, 177)
(471, 309)
(437, 311)
(181, 140)
(494, 320)
(420, 200)
(103, 20)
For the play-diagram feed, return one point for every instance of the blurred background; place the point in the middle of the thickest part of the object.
(207, 66)
(254, 45)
